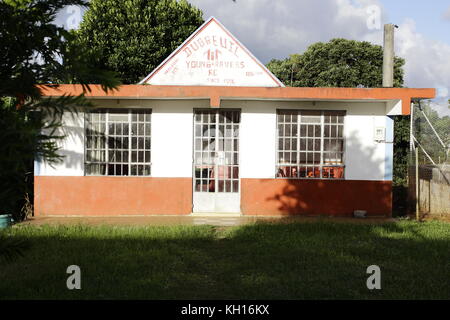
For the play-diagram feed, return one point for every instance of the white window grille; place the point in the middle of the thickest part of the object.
(310, 144)
(216, 151)
(118, 142)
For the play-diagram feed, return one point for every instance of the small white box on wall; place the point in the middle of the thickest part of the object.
(379, 134)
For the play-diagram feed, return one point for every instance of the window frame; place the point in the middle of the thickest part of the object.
(321, 165)
(107, 112)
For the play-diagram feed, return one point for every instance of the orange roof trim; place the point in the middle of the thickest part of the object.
(215, 94)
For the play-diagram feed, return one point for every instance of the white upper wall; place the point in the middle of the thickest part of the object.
(71, 147)
(365, 159)
(212, 56)
(172, 137)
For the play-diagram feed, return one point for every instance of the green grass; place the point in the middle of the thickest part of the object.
(308, 260)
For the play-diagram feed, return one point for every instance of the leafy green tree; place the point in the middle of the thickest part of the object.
(426, 135)
(401, 150)
(35, 51)
(337, 63)
(347, 63)
(132, 37)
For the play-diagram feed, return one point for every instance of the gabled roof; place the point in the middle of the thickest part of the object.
(212, 56)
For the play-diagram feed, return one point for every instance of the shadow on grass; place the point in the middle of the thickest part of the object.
(312, 260)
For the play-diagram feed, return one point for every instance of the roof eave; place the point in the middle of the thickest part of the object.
(215, 93)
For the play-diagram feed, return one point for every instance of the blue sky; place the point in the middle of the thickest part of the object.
(429, 16)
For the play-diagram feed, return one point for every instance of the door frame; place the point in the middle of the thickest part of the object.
(238, 194)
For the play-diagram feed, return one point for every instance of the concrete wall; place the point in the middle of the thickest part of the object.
(434, 190)
(112, 196)
(275, 197)
(172, 136)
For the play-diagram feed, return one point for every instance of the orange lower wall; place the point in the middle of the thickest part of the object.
(112, 195)
(315, 197)
(140, 196)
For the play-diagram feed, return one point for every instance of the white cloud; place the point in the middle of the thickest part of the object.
(275, 29)
(441, 106)
(427, 62)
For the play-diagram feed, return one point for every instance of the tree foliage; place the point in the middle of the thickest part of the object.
(337, 63)
(426, 136)
(35, 51)
(132, 37)
(347, 63)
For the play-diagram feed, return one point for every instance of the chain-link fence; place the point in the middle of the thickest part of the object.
(429, 162)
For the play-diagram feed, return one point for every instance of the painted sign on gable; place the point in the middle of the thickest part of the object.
(212, 56)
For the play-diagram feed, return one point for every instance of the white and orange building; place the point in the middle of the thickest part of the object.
(211, 130)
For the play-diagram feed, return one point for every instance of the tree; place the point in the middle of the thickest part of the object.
(35, 51)
(337, 63)
(347, 63)
(132, 37)
(426, 135)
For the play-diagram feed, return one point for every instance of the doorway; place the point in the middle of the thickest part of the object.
(216, 183)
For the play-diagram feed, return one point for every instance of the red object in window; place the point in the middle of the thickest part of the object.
(316, 173)
(338, 173)
(333, 172)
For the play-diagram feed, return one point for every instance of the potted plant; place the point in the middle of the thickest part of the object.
(5, 220)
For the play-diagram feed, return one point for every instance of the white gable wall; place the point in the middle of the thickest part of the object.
(172, 138)
(212, 56)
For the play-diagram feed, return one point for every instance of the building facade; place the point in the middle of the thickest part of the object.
(211, 130)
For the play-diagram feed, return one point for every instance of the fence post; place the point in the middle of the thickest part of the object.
(417, 184)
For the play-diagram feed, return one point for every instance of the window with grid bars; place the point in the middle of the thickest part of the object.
(216, 145)
(118, 142)
(310, 144)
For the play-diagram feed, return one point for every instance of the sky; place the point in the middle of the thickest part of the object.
(277, 28)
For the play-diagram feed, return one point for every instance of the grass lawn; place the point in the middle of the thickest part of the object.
(301, 260)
